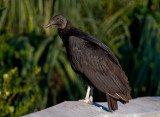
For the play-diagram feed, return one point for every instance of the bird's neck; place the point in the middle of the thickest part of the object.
(66, 32)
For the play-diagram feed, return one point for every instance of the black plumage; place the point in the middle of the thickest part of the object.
(94, 61)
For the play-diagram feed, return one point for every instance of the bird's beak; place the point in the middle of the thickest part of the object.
(50, 23)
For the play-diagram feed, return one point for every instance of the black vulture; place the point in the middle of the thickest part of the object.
(95, 62)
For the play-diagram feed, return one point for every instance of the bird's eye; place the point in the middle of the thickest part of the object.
(57, 18)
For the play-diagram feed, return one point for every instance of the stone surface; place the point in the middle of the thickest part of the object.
(139, 107)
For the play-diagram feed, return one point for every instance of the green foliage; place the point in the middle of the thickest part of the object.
(16, 94)
(146, 59)
(43, 75)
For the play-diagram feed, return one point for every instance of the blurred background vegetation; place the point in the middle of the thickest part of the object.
(34, 70)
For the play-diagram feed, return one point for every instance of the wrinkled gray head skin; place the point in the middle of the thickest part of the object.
(59, 20)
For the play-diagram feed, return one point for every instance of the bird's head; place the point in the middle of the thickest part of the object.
(59, 20)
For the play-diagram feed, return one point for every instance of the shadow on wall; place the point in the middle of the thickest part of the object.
(100, 106)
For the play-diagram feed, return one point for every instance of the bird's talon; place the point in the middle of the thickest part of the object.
(86, 101)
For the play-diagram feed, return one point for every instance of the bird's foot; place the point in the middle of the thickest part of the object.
(88, 101)
(89, 96)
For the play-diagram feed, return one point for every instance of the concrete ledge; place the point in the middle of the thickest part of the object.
(139, 107)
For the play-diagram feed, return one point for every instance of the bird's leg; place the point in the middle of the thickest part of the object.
(86, 99)
(89, 95)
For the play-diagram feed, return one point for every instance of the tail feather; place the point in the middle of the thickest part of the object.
(112, 103)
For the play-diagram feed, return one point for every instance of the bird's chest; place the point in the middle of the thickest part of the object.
(75, 49)
(78, 48)
(76, 53)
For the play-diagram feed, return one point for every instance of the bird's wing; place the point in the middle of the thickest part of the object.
(95, 64)
(111, 55)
